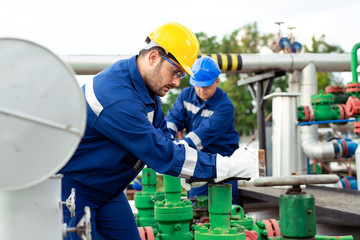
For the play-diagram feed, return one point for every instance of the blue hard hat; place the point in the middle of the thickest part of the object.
(206, 71)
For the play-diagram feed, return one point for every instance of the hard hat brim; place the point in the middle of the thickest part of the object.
(195, 83)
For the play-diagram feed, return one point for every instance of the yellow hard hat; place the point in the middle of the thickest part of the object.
(180, 41)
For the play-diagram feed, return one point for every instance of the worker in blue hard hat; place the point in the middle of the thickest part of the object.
(126, 130)
(207, 114)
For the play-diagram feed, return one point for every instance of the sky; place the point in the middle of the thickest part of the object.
(118, 27)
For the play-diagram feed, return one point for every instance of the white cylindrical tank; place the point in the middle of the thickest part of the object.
(284, 138)
(32, 213)
(42, 119)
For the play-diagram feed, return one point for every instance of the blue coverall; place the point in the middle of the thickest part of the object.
(209, 126)
(125, 123)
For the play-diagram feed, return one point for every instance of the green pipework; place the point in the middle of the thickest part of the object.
(144, 200)
(297, 215)
(238, 216)
(319, 237)
(220, 215)
(322, 98)
(354, 63)
(172, 213)
(323, 108)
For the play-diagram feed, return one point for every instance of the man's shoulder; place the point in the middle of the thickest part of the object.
(187, 92)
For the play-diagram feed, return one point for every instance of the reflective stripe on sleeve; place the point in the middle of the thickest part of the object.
(191, 107)
(150, 116)
(207, 113)
(191, 158)
(195, 139)
(91, 98)
(172, 126)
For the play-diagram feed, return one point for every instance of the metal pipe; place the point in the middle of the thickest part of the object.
(284, 139)
(354, 63)
(309, 142)
(296, 180)
(241, 63)
(357, 163)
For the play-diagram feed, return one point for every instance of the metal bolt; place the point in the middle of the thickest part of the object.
(177, 227)
(233, 230)
(308, 211)
(217, 231)
(260, 224)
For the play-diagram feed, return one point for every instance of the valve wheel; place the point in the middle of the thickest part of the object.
(251, 235)
(149, 232)
(146, 233)
(142, 233)
(269, 230)
(272, 228)
(352, 106)
(276, 226)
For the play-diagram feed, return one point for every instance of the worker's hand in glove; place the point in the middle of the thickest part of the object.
(187, 186)
(243, 163)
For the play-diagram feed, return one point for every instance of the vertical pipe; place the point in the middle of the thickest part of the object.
(295, 87)
(354, 62)
(220, 206)
(284, 112)
(149, 180)
(309, 136)
(357, 164)
(172, 189)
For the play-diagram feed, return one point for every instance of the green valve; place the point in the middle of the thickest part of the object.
(144, 200)
(173, 214)
(238, 217)
(322, 98)
(298, 212)
(323, 108)
(220, 210)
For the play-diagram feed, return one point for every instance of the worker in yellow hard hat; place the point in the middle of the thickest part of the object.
(126, 129)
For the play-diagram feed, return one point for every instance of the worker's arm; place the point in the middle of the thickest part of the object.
(176, 116)
(211, 128)
(126, 124)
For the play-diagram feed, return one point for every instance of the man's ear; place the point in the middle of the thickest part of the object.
(153, 57)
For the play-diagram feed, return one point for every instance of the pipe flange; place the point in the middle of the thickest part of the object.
(251, 235)
(352, 106)
(357, 127)
(353, 87)
(334, 89)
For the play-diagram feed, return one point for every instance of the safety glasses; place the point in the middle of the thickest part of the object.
(177, 73)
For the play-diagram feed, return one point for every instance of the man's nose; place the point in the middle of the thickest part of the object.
(176, 81)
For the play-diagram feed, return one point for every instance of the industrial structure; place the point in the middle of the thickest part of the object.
(30, 200)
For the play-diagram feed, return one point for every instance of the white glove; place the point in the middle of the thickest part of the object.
(243, 163)
(188, 186)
